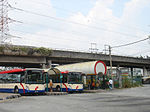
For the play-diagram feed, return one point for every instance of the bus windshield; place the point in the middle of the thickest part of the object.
(74, 78)
(34, 77)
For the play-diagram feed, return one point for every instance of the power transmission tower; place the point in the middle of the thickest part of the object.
(4, 29)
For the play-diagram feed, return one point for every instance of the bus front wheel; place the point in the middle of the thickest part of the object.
(58, 88)
(16, 90)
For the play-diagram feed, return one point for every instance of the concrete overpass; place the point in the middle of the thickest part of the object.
(66, 57)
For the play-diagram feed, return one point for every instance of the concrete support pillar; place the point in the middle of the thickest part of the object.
(49, 64)
(118, 71)
(43, 66)
(132, 75)
(148, 72)
(145, 73)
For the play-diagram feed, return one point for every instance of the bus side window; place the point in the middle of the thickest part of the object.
(2, 78)
(22, 79)
(64, 78)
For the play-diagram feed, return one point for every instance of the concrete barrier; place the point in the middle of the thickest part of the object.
(5, 96)
(94, 91)
(56, 93)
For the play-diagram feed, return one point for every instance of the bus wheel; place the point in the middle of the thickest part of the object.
(58, 88)
(16, 90)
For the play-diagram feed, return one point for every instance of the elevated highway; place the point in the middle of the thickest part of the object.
(66, 57)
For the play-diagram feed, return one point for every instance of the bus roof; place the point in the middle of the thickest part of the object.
(69, 72)
(34, 69)
(11, 71)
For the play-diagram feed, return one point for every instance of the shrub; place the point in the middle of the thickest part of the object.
(1, 49)
(14, 49)
(126, 82)
(30, 51)
(43, 51)
(24, 49)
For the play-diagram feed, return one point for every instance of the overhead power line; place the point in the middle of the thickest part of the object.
(131, 43)
(13, 36)
(46, 42)
(141, 52)
(68, 21)
(52, 36)
(68, 32)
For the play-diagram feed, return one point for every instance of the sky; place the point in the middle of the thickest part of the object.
(79, 25)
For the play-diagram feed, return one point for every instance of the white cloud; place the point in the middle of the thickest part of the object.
(134, 7)
(75, 36)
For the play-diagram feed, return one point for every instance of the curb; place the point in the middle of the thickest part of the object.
(93, 91)
(56, 93)
(11, 97)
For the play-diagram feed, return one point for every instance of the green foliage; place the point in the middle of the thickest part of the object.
(14, 49)
(24, 49)
(43, 51)
(136, 84)
(116, 84)
(19, 49)
(30, 51)
(137, 81)
(1, 48)
(126, 82)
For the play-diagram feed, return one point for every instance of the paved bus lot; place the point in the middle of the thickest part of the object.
(124, 100)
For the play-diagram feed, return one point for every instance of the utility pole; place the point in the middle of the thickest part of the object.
(110, 58)
(110, 62)
(4, 38)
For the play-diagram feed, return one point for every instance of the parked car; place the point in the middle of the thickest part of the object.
(146, 80)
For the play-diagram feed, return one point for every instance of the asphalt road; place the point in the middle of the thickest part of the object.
(124, 100)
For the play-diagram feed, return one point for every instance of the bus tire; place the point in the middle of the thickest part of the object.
(16, 90)
(58, 88)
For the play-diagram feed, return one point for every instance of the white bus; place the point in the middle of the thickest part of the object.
(22, 81)
(66, 81)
